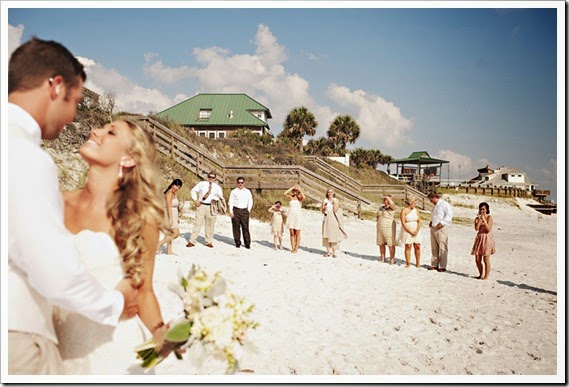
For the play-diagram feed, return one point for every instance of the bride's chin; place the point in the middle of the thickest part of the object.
(86, 154)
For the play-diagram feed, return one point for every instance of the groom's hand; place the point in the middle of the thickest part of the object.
(130, 295)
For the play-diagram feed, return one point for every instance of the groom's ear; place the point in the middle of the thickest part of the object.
(128, 162)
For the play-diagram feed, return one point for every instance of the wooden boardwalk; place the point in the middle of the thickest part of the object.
(354, 195)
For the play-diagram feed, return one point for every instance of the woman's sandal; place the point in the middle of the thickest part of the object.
(326, 255)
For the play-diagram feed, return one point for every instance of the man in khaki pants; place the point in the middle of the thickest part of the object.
(202, 194)
(45, 84)
(441, 218)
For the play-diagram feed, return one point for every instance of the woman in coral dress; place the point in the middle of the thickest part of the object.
(484, 244)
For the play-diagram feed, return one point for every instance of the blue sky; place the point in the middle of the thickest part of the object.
(475, 86)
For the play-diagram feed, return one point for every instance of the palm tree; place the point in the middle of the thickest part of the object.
(372, 157)
(299, 122)
(321, 146)
(344, 130)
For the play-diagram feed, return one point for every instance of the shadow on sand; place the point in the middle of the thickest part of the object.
(526, 287)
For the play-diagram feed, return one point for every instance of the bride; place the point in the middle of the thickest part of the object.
(116, 219)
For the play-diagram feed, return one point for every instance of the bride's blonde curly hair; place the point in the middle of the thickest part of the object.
(137, 200)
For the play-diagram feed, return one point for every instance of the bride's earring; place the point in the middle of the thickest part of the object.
(120, 171)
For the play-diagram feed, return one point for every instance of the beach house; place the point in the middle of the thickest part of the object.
(220, 115)
(503, 177)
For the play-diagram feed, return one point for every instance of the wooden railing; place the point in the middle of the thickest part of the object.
(377, 191)
(267, 177)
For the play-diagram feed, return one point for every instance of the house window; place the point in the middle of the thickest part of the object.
(211, 134)
(202, 134)
(205, 114)
(220, 134)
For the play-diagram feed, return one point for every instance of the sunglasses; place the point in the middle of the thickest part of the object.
(211, 177)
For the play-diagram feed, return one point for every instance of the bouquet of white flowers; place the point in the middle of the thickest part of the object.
(214, 318)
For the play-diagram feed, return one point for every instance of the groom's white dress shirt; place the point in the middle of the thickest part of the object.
(44, 266)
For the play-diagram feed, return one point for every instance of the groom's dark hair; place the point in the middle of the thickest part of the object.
(38, 60)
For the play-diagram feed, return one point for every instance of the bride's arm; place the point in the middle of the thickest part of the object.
(148, 307)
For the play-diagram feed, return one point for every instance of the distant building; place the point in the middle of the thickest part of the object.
(503, 177)
(220, 115)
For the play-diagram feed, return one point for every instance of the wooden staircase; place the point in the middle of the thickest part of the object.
(278, 177)
(258, 177)
(376, 191)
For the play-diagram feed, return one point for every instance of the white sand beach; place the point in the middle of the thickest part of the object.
(356, 316)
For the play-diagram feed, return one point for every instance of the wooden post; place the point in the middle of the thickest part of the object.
(198, 164)
(359, 210)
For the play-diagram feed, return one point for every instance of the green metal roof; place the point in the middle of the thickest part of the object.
(421, 157)
(221, 105)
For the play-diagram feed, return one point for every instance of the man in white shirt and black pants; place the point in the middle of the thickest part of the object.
(240, 204)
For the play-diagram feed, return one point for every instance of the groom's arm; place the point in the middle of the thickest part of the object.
(41, 246)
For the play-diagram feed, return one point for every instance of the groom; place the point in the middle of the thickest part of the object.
(45, 84)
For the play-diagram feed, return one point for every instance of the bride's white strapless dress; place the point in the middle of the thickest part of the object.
(88, 347)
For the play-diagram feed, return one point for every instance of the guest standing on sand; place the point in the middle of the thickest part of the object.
(294, 216)
(171, 202)
(277, 224)
(332, 232)
(484, 244)
(240, 205)
(410, 234)
(386, 228)
(441, 217)
(202, 195)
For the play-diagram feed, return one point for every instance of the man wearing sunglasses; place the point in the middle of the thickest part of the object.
(202, 194)
(240, 204)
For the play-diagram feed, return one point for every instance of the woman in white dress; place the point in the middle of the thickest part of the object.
(411, 231)
(277, 224)
(294, 215)
(116, 219)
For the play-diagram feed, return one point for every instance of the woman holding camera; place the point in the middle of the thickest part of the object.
(484, 244)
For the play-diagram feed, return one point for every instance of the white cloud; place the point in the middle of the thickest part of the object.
(381, 123)
(461, 166)
(128, 96)
(154, 68)
(262, 76)
(312, 56)
(14, 37)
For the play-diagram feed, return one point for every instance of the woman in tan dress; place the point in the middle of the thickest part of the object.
(386, 228)
(332, 232)
(171, 203)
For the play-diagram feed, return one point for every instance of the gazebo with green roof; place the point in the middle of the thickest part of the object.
(419, 166)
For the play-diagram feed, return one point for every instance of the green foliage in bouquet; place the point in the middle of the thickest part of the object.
(214, 318)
